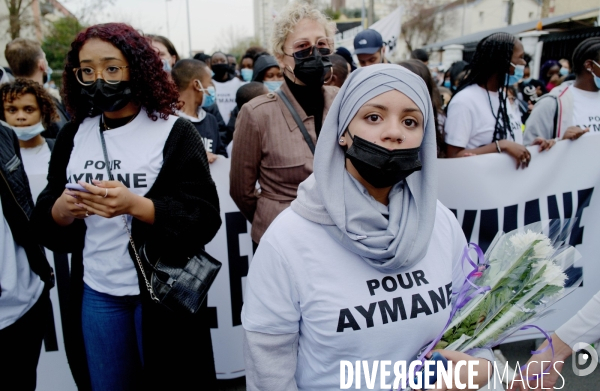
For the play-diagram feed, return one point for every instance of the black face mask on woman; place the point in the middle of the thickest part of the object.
(379, 166)
(312, 70)
(107, 97)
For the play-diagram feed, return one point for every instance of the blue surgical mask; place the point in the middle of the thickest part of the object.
(447, 83)
(272, 86)
(166, 66)
(527, 80)
(518, 75)
(563, 71)
(596, 78)
(247, 74)
(212, 73)
(25, 133)
(210, 95)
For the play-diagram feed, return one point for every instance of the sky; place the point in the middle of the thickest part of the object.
(213, 22)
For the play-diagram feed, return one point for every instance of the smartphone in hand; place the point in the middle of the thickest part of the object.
(76, 186)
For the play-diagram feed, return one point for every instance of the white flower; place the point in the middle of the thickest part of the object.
(543, 249)
(553, 275)
(523, 240)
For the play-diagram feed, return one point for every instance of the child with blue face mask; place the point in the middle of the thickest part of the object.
(25, 274)
(28, 110)
(192, 78)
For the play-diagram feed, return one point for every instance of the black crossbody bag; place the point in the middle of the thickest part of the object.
(181, 289)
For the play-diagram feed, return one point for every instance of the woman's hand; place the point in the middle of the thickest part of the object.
(107, 199)
(517, 151)
(111, 198)
(482, 366)
(574, 132)
(540, 362)
(67, 208)
(544, 144)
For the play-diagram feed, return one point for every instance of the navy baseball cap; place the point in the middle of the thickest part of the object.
(367, 41)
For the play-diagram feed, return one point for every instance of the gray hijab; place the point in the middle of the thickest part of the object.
(332, 198)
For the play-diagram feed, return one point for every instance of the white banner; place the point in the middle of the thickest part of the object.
(486, 192)
(389, 28)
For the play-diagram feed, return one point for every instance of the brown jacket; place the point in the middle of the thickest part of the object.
(268, 147)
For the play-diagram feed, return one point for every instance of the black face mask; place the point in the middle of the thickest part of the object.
(107, 97)
(220, 71)
(312, 70)
(379, 166)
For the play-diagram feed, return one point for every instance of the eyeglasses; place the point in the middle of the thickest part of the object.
(303, 48)
(112, 74)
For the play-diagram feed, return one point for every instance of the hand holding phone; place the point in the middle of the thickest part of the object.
(76, 186)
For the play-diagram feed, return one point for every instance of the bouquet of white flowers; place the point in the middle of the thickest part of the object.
(521, 276)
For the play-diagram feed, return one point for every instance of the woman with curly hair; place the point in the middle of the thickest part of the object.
(136, 161)
(28, 110)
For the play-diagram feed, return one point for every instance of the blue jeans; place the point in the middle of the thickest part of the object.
(112, 333)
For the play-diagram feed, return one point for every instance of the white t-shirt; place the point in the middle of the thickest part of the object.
(226, 96)
(470, 123)
(586, 109)
(21, 287)
(302, 280)
(35, 161)
(135, 152)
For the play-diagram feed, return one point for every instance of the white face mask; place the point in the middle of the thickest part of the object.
(25, 133)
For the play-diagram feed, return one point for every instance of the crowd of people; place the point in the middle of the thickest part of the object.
(333, 163)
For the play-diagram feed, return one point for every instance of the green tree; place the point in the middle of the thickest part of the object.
(331, 13)
(58, 43)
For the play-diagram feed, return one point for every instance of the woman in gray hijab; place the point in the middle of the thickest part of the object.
(362, 266)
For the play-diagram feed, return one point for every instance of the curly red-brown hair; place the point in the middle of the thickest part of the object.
(19, 87)
(151, 86)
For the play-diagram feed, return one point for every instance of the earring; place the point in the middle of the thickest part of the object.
(341, 140)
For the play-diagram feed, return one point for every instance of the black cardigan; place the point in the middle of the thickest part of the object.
(187, 217)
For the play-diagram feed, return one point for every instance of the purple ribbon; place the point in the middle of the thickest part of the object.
(463, 296)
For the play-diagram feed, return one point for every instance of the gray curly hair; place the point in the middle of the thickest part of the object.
(289, 17)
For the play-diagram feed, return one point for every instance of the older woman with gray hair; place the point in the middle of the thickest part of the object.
(275, 134)
(363, 265)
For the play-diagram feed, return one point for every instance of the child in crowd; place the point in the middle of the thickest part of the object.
(25, 274)
(193, 80)
(28, 110)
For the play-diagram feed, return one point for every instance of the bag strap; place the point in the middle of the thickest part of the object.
(299, 122)
(555, 130)
(137, 257)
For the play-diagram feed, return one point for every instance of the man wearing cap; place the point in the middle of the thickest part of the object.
(369, 48)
